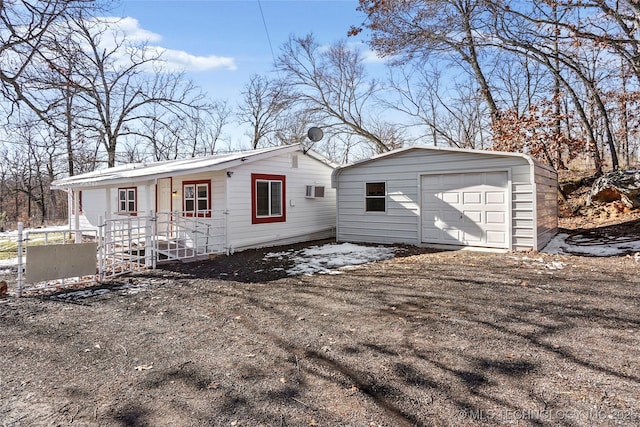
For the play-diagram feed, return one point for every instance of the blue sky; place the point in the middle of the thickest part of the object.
(221, 43)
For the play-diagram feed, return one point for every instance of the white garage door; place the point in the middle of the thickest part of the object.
(466, 209)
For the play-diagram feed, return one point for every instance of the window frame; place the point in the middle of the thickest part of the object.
(368, 197)
(196, 212)
(127, 201)
(262, 219)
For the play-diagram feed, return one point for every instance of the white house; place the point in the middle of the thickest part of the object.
(443, 196)
(256, 198)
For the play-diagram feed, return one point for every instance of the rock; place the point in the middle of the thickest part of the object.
(617, 185)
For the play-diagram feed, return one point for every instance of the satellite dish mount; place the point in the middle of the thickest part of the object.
(315, 134)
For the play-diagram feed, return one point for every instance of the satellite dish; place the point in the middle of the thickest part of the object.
(315, 134)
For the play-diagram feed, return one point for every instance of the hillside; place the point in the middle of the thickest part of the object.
(609, 218)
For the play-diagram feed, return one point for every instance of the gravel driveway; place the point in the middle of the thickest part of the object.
(428, 338)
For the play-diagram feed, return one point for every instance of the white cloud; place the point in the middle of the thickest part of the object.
(179, 60)
(371, 57)
(129, 29)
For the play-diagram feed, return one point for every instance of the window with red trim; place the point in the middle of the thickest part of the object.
(268, 195)
(196, 198)
(128, 201)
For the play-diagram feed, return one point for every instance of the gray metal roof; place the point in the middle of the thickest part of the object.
(145, 171)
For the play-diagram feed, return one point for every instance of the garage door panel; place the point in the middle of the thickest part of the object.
(452, 236)
(496, 179)
(473, 217)
(496, 237)
(450, 217)
(451, 198)
(495, 197)
(450, 181)
(471, 197)
(470, 238)
(493, 217)
(430, 215)
(432, 233)
(467, 209)
(471, 179)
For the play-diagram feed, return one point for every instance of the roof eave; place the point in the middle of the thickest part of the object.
(90, 182)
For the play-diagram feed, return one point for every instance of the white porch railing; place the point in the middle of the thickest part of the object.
(125, 245)
(181, 235)
(120, 246)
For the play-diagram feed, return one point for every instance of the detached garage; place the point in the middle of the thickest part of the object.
(444, 196)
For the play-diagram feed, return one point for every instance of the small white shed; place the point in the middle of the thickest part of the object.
(434, 196)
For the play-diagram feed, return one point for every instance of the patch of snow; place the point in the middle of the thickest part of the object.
(278, 255)
(555, 265)
(583, 245)
(326, 259)
(9, 262)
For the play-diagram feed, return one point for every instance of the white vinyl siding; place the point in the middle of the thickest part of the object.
(306, 218)
(546, 182)
(402, 171)
(94, 206)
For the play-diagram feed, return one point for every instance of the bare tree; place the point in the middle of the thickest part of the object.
(120, 84)
(453, 116)
(265, 102)
(420, 29)
(31, 73)
(294, 125)
(332, 84)
(26, 27)
(534, 33)
(208, 127)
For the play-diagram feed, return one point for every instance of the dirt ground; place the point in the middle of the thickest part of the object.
(429, 338)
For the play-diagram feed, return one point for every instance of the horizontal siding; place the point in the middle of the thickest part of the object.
(547, 213)
(547, 205)
(373, 238)
(401, 222)
(545, 176)
(95, 206)
(304, 217)
(218, 189)
(522, 243)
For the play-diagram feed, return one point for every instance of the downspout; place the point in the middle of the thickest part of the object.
(227, 241)
(76, 215)
(334, 184)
